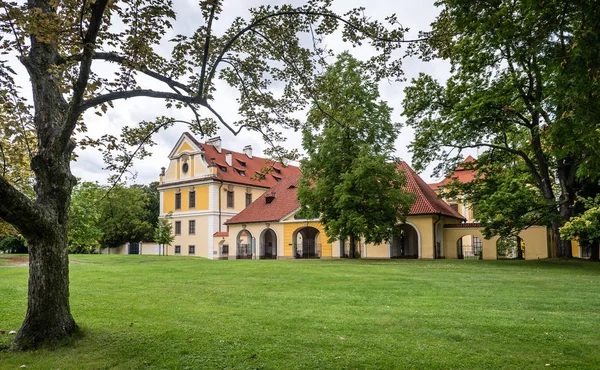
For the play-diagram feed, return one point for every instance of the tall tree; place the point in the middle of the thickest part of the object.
(524, 81)
(125, 216)
(350, 179)
(163, 233)
(84, 218)
(60, 44)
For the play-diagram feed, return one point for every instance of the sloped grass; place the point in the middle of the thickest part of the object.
(149, 312)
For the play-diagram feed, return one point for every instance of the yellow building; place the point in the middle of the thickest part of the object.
(205, 185)
(221, 210)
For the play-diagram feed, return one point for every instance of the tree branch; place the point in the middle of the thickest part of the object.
(260, 20)
(18, 210)
(222, 120)
(116, 58)
(86, 104)
(84, 71)
(206, 49)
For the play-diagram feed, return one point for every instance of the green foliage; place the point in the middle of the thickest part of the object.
(505, 195)
(84, 218)
(101, 216)
(163, 233)
(125, 216)
(349, 177)
(525, 82)
(13, 244)
(586, 227)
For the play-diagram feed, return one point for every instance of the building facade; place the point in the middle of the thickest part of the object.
(232, 205)
(205, 185)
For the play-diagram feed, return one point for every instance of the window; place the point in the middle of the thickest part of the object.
(192, 249)
(192, 199)
(178, 249)
(185, 168)
(454, 206)
(177, 200)
(177, 227)
(248, 199)
(192, 227)
(474, 210)
(229, 199)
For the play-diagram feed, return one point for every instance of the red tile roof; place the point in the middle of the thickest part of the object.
(253, 165)
(460, 174)
(221, 233)
(284, 203)
(427, 201)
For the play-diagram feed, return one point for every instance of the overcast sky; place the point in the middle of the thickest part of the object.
(417, 15)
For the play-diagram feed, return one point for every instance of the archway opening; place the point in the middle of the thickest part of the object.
(469, 247)
(268, 245)
(307, 242)
(223, 250)
(510, 248)
(244, 245)
(405, 244)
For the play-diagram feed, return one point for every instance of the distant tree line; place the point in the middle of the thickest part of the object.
(102, 216)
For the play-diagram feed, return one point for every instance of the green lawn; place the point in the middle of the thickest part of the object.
(141, 312)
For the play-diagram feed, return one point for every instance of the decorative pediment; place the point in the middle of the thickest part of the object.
(186, 145)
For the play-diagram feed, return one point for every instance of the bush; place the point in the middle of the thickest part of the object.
(13, 244)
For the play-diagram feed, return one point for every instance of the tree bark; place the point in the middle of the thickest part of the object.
(48, 315)
(352, 252)
(595, 252)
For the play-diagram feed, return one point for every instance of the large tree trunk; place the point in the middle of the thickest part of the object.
(48, 315)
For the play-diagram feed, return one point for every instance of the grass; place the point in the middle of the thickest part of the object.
(148, 312)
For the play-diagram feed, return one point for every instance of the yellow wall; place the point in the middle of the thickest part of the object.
(288, 232)
(185, 147)
(535, 242)
(239, 197)
(199, 239)
(451, 236)
(534, 239)
(424, 225)
(201, 199)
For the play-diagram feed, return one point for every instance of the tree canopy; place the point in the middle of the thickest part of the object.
(62, 44)
(524, 82)
(349, 178)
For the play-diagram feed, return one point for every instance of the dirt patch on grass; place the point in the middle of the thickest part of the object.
(8, 260)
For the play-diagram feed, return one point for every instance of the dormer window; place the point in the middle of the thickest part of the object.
(222, 168)
(269, 198)
(242, 163)
(277, 170)
(277, 178)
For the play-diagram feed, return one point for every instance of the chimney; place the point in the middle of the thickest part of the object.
(228, 159)
(162, 171)
(248, 151)
(216, 142)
